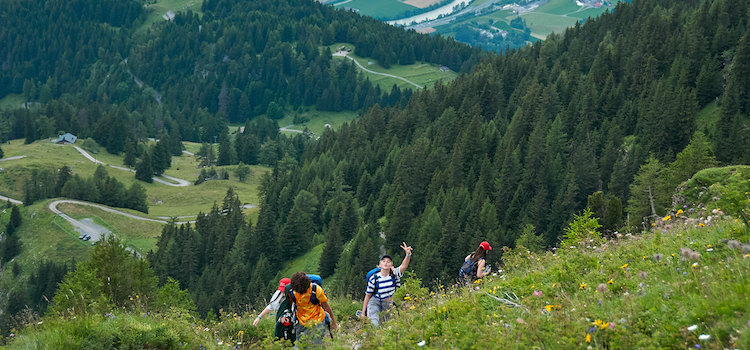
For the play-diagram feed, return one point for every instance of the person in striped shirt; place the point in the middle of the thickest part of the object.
(382, 285)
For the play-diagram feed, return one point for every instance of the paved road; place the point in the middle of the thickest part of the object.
(343, 54)
(95, 231)
(14, 201)
(176, 182)
(286, 128)
(12, 158)
(452, 17)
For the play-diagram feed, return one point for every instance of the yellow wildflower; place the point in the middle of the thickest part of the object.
(701, 224)
(551, 307)
(588, 338)
(240, 333)
(131, 298)
(746, 256)
(610, 282)
(666, 218)
(679, 212)
(709, 246)
(411, 307)
(582, 286)
(407, 298)
(478, 281)
(601, 324)
(624, 266)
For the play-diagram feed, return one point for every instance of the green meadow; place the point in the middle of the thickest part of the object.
(163, 200)
(556, 15)
(159, 8)
(422, 74)
(377, 9)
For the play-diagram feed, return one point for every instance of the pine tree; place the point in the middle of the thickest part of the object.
(648, 198)
(331, 251)
(226, 156)
(299, 228)
(144, 171)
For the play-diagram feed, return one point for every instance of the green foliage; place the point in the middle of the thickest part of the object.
(735, 196)
(582, 230)
(242, 171)
(530, 240)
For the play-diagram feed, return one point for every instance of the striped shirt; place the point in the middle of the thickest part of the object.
(386, 284)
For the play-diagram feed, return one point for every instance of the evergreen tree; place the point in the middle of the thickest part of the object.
(648, 196)
(130, 153)
(297, 233)
(136, 198)
(225, 150)
(144, 171)
(331, 251)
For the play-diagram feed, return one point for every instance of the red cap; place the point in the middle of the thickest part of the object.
(283, 282)
(485, 245)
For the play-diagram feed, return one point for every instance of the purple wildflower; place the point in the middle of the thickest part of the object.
(592, 329)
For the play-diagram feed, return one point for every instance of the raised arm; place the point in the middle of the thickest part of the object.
(407, 259)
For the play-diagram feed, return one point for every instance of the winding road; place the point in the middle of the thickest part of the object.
(344, 54)
(177, 182)
(95, 231)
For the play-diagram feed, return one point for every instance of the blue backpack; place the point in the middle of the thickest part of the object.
(467, 270)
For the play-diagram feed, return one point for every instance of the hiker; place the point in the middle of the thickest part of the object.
(381, 285)
(284, 329)
(474, 264)
(310, 308)
(276, 299)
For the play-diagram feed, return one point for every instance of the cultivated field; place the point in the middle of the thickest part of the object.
(556, 15)
(377, 8)
(421, 3)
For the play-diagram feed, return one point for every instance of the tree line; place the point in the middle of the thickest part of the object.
(100, 188)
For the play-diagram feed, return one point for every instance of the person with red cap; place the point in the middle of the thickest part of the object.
(276, 299)
(474, 264)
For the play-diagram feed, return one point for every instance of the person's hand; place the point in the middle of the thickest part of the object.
(363, 314)
(406, 248)
(334, 325)
(284, 320)
(255, 323)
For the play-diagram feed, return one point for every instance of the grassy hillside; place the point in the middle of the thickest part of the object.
(163, 200)
(682, 284)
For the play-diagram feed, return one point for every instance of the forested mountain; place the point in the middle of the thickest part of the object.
(191, 76)
(605, 115)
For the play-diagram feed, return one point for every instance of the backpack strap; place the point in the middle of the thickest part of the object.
(313, 296)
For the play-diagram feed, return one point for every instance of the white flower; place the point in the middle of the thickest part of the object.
(693, 328)
(704, 337)
(422, 343)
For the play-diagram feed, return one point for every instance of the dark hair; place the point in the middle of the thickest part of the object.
(300, 282)
(480, 253)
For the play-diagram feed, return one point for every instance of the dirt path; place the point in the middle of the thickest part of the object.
(176, 182)
(343, 54)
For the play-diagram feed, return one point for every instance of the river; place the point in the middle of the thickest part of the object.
(430, 15)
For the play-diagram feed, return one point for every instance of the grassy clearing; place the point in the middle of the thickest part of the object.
(47, 237)
(544, 23)
(163, 200)
(559, 7)
(590, 12)
(307, 263)
(380, 8)
(318, 120)
(11, 101)
(141, 235)
(158, 9)
(423, 74)
(708, 117)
